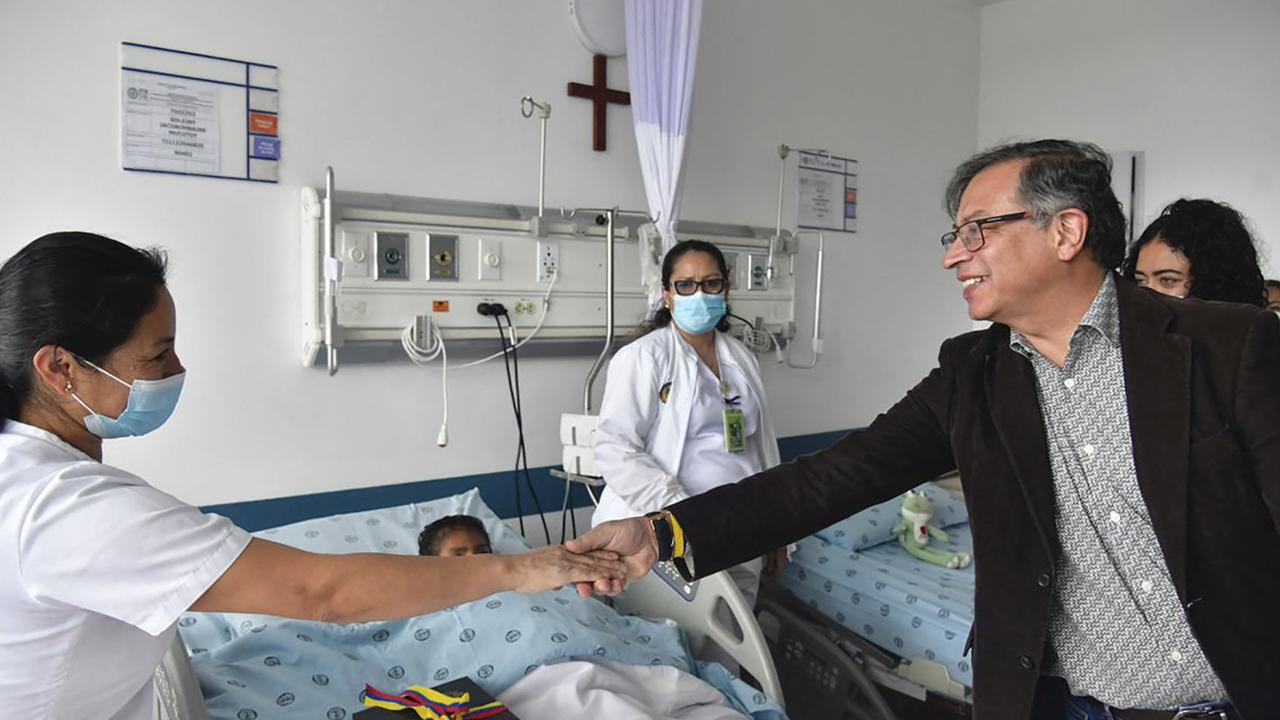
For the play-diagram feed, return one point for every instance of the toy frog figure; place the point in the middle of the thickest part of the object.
(914, 531)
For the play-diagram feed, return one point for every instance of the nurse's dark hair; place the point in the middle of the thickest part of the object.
(662, 317)
(79, 291)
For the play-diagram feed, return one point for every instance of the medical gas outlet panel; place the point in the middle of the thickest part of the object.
(389, 262)
(393, 273)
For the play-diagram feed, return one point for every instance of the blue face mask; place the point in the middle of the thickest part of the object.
(151, 402)
(698, 313)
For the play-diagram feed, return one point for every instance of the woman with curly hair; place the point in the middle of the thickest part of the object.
(1273, 295)
(1201, 249)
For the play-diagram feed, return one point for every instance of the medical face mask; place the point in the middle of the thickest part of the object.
(151, 402)
(698, 313)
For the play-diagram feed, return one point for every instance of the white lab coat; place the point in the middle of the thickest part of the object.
(640, 440)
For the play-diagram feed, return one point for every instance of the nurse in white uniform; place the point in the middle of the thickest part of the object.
(684, 408)
(96, 565)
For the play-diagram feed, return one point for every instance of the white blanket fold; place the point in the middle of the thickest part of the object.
(605, 689)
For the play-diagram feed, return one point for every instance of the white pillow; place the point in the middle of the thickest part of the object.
(392, 530)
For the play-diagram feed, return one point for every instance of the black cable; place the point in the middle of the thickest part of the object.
(748, 322)
(515, 474)
(573, 520)
(524, 451)
(513, 387)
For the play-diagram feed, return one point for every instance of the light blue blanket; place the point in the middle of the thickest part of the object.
(254, 666)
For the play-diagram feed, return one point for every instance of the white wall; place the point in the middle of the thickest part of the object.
(1191, 83)
(421, 97)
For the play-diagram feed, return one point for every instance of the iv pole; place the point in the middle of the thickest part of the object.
(528, 107)
(816, 339)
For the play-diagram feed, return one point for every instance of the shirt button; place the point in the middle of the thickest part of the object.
(1069, 382)
(1115, 517)
(1088, 449)
(1146, 586)
(1043, 580)
(1175, 656)
(1026, 663)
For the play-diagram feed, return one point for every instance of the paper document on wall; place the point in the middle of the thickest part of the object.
(171, 124)
(827, 188)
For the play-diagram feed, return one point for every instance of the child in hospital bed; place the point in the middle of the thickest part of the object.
(454, 536)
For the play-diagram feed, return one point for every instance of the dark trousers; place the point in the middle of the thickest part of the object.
(1054, 701)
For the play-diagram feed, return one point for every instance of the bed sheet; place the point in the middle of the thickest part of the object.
(257, 666)
(604, 689)
(274, 667)
(393, 529)
(886, 595)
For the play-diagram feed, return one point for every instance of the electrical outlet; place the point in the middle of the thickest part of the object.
(490, 259)
(548, 260)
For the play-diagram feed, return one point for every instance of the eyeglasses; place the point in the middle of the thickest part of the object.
(710, 286)
(970, 234)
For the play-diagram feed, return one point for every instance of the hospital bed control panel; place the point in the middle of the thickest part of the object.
(673, 578)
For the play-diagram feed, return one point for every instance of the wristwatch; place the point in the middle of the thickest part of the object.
(665, 534)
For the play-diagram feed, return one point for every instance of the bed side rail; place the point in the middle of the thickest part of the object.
(651, 597)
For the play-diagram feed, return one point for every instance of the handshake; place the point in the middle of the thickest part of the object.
(603, 560)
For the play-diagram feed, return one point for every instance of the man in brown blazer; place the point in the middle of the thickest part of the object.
(1120, 454)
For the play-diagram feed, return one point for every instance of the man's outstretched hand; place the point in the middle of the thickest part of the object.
(632, 540)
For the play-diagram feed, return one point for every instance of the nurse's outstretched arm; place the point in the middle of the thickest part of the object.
(273, 579)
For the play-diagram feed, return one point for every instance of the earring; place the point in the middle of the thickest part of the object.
(68, 386)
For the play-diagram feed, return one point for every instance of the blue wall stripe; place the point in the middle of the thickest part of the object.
(791, 448)
(495, 488)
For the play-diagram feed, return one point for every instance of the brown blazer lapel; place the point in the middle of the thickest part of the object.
(1010, 383)
(1157, 375)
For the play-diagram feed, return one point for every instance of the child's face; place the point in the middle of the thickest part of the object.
(457, 543)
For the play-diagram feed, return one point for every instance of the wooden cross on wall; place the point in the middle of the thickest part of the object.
(600, 95)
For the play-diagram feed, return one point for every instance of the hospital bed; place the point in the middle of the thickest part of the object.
(220, 649)
(854, 606)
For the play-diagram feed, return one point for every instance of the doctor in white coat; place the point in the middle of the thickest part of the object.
(684, 409)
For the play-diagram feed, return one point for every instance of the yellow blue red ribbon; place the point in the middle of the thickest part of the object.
(431, 704)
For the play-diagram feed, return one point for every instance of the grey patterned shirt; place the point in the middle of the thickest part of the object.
(1117, 628)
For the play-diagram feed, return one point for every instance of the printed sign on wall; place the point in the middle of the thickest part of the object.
(827, 186)
(189, 113)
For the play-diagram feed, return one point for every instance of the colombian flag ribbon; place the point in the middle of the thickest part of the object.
(431, 704)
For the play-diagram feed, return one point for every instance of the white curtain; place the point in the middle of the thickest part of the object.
(662, 49)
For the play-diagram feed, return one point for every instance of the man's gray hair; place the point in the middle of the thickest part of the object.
(1059, 175)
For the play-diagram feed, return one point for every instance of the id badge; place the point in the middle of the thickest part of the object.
(735, 435)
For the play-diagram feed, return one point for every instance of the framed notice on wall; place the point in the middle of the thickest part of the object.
(827, 188)
(187, 113)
